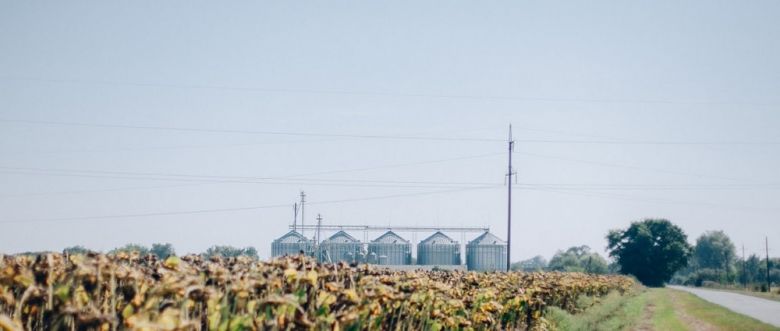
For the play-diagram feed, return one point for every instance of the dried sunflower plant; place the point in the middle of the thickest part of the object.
(133, 292)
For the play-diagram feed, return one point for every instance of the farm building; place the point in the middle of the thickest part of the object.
(341, 247)
(291, 243)
(486, 253)
(390, 249)
(438, 249)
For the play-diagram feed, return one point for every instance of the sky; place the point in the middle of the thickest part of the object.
(198, 123)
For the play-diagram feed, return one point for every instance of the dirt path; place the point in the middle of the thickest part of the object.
(691, 322)
(647, 318)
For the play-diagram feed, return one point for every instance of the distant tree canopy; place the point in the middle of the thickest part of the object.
(714, 250)
(537, 263)
(76, 250)
(163, 251)
(230, 251)
(578, 259)
(129, 248)
(651, 250)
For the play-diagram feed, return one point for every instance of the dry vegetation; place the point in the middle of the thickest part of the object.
(107, 292)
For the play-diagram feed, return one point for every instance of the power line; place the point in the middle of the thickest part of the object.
(295, 180)
(220, 210)
(37, 171)
(233, 131)
(378, 93)
(654, 200)
(168, 148)
(635, 167)
(387, 137)
(272, 181)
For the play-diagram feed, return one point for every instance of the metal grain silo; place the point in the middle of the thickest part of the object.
(341, 247)
(390, 249)
(486, 253)
(438, 249)
(292, 243)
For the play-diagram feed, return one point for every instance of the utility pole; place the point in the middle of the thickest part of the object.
(319, 225)
(768, 283)
(295, 216)
(509, 175)
(303, 201)
(744, 267)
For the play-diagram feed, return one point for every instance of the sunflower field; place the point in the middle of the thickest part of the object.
(131, 292)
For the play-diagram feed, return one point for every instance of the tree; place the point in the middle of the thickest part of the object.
(76, 250)
(230, 251)
(163, 251)
(714, 250)
(578, 259)
(537, 263)
(651, 250)
(129, 248)
(751, 273)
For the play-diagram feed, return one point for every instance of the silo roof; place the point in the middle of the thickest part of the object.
(438, 238)
(389, 237)
(292, 237)
(487, 238)
(341, 237)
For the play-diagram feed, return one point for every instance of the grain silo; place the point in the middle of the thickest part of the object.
(341, 247)
(292, 243)
(486, 253)
(438, 249)
(390, 249)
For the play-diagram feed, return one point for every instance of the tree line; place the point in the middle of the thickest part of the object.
(165, 250)
(715, 262)
(657, 252)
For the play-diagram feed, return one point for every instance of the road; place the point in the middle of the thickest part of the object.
(764, 310)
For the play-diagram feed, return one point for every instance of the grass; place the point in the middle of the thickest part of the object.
(718, 316)
(613, 312)
(652, 309)
(662, 311)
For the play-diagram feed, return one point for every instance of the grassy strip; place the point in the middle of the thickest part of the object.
(716, 315)
(663, 311)
(613, 312)
(656, 309)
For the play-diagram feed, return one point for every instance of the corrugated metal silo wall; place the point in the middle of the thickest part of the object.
(347, 252)
(282, 249)
(486, 257)
(441, 254)
(390, 254)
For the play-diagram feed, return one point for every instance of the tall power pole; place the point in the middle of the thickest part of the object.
(295, 216)
(744, 267)
(319, 226)
(303, 201)
(768, 283)
(509, 175)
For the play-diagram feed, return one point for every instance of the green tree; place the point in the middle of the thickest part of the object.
(230, 251)
(578, 259)
(652, 250)
(714, 250)
(129, 248)
(536, 263)
(76, 250)
(163, 251)
(751, 272)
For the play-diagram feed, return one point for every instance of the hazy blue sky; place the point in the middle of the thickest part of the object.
(562, 73)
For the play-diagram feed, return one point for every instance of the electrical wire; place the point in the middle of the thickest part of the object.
(233, 131)
(643, 168)
(377, 93)
(389, 137)
(221, 210)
